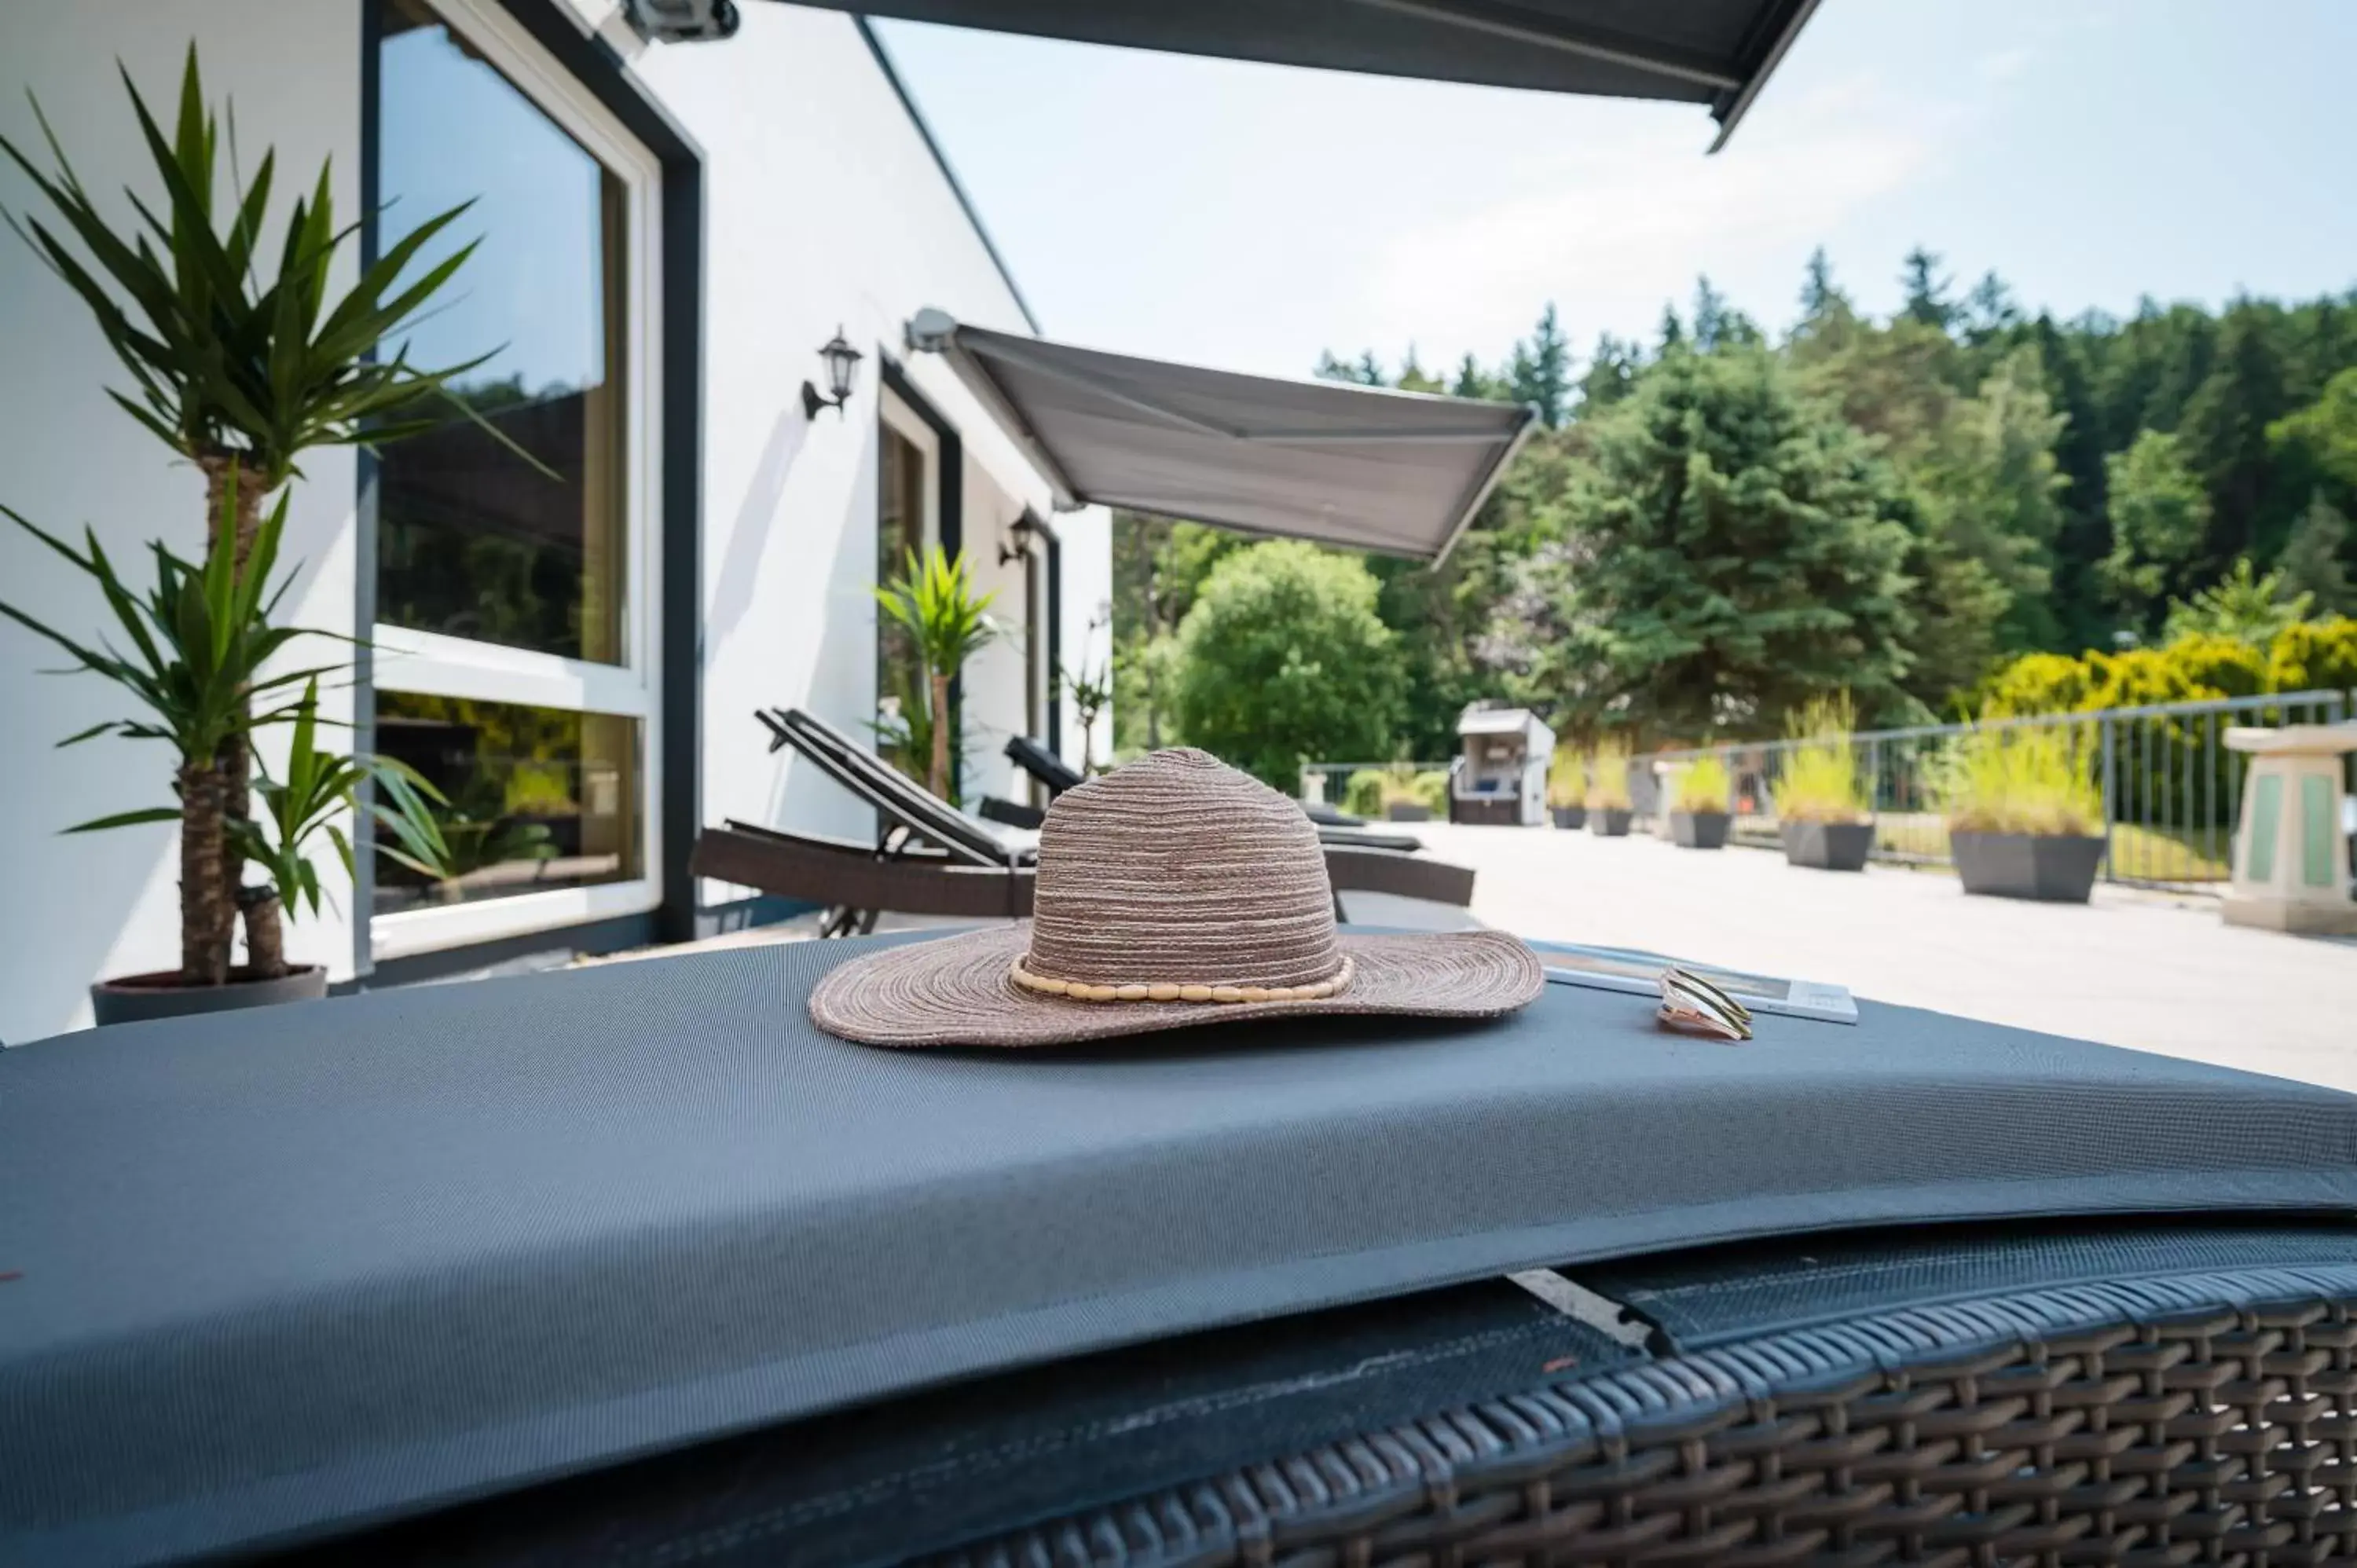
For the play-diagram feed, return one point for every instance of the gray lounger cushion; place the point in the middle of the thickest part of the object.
(276, 1272)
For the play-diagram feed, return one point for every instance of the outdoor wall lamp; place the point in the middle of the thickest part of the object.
(841, 358)
(1016, 545)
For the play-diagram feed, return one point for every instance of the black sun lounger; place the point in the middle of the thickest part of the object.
(943, 862)
(1056, 776)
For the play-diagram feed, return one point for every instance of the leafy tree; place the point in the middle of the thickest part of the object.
(1283, 660)
(2159, 517)
(2311, 562)
(1540, 372)
(1739, 552)
(2324, 433)
(2242, 606)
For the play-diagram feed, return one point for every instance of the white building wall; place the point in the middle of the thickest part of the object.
(104, 904)
(825, 208)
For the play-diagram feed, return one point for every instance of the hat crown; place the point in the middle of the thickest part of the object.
(1178, 868)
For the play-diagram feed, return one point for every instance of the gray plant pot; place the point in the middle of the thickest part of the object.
(1406, 812)
(1829, 846)
(1700, 829)
(1571, 817)
(135, 998)
(1610, 821)
(2054, 867)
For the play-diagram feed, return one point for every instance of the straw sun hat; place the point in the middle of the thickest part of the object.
(1172, 892)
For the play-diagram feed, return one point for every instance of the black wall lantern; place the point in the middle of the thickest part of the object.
(841, 358)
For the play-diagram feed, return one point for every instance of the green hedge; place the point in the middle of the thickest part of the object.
(2200, 668)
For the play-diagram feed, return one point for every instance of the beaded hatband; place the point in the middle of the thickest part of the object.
(1163, 990)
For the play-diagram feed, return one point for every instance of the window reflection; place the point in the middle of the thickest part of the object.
(474, 539)
(538, 797)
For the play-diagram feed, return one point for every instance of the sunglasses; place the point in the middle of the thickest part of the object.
(1691, 1003)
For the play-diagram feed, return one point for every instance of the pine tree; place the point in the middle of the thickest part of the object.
(1820, 296)
(1738, 549)
(1989, 309)
(1541, 372)
(2313, 558)
(1611, 373)
(1672, 330)
(1927, 293)
(1414, 377)
(1472, 380)
(2224, 433)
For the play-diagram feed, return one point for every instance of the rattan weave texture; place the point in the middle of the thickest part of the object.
(2198, 1419)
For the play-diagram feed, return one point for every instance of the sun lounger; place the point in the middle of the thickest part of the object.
(1056, 776)
(931, 859)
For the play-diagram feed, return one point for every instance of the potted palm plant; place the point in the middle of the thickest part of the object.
(1823, 806)
(1698, 817)
(194, 647)
(2022, 811)
(241, 359)
(933, 599)
(1568, 787)
(1609, 810)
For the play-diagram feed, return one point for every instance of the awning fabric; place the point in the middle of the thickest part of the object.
(1366, 467)
(1717, 52)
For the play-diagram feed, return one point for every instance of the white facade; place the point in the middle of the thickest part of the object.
(823, 207)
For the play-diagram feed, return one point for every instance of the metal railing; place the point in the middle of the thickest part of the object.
(2171, 790)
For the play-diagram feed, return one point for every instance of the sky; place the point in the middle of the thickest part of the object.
(1250, 216)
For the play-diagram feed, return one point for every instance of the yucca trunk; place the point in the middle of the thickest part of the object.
(266, 934)
(208, 911)
(940, 768)
(228, 526)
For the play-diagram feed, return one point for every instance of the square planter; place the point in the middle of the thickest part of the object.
(2056, 868)
(1700, 829)
(1828, 846)
(1406, 812)
(1610, 822)
(1571, 817)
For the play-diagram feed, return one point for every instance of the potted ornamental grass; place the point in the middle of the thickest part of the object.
(1823, 801)
(242, 356)
(1609, 810)
(1408, 796)
(2023, 812)
(1698, 815)
(1566, 788)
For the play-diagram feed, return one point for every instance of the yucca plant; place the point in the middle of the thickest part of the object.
(192, 649)
(319, 786)
(933, 600)
(240, 359)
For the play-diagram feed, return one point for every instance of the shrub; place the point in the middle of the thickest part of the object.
(2034, 780)
(1431, 791)
(2040, 683)
(2314, 655)
(1283, 660)
(1608, 777)
(1820, 782)
(1704, 784)
(1567, 777)
(1363, 796)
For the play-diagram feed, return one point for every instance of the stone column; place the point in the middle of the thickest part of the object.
(2291, 851)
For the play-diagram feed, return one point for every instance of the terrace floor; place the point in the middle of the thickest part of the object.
(2156, 971)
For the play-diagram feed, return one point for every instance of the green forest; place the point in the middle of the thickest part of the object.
(1720, 524)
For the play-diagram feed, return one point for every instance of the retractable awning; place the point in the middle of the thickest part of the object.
(1366, 467)
(1716, 52)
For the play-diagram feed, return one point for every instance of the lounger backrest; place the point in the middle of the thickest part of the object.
(871, 779)
(1044, 766)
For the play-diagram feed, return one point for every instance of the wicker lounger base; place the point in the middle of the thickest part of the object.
(2198, 1419)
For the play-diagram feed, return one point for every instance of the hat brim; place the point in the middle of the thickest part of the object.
(956, 991)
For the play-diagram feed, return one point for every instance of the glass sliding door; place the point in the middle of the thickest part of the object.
(515, 563)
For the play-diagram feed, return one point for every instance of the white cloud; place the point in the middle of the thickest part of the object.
(1616, 231)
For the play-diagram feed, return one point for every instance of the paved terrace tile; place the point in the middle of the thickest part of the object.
(2154, 972)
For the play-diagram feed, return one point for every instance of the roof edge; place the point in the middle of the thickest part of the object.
(940, 160)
